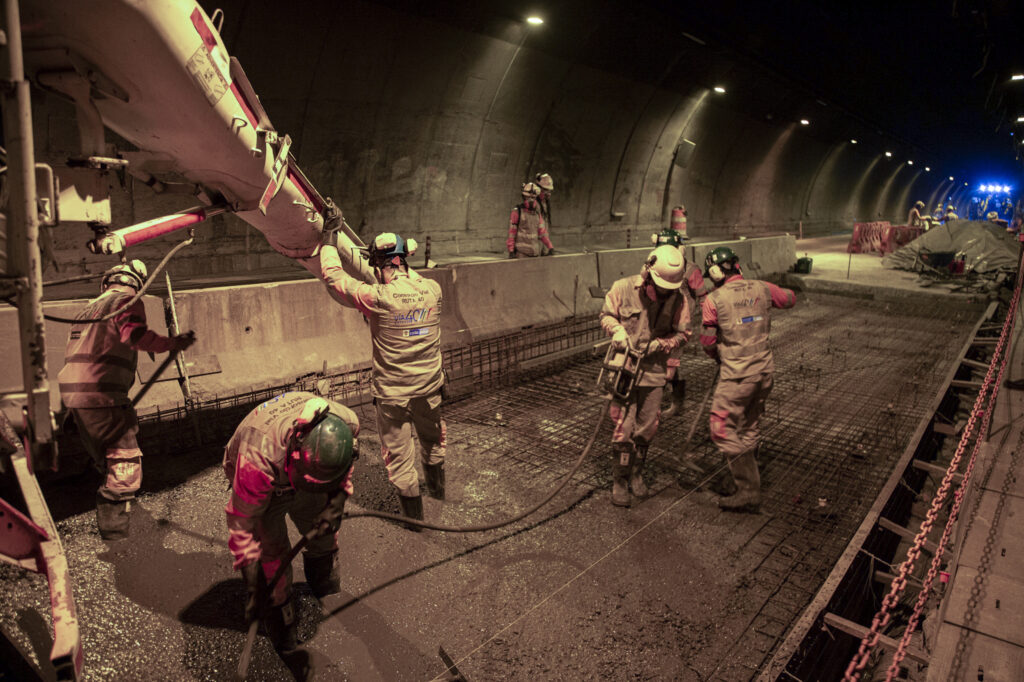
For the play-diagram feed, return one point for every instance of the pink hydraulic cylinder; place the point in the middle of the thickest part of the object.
(119, 240)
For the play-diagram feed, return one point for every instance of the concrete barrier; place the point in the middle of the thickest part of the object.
(259, 335)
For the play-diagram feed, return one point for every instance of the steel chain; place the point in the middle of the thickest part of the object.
(882, 617)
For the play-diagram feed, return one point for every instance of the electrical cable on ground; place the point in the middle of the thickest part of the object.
(139, 294)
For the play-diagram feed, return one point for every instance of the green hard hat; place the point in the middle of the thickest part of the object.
(670, 237)
(322, 456)
(722, 255)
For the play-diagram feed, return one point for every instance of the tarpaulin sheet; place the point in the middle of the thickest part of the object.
(985, 247)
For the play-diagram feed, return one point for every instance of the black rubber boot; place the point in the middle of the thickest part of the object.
(113, 518)
(748, 484)
(413, 508)
(636, 473)
(675, 397)
(435, 480)
(321, 574)
(281, 628)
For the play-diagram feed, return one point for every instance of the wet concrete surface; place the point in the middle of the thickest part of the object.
(671, 588)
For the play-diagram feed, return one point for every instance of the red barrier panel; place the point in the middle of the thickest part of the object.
(881, 237)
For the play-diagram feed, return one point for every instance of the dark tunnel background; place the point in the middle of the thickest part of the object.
(424, 118)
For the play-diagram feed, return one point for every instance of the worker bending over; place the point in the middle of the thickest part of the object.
(99, 370)
(527, 231)
(404, 311)
(293, 456)
(645, 311)
(736, 326)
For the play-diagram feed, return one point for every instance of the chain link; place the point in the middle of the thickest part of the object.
(984, 411)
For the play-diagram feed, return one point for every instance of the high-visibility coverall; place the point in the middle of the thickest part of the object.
(527, 231)
(405, 329)
(261, 494)
(632, 304)
(99, 370)
(736, 325)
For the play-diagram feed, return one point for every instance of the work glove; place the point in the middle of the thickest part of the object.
(654, 345)
(255, 590)
(333, 220)
(620, 339)
(511, 254)
(329, 520)
(183, 341)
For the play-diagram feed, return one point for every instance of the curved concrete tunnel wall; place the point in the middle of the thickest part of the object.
(428, 128)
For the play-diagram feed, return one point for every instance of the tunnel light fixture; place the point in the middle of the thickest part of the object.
(951, 178)
(1020, 119)
(804, 122)
(927, 169)
(534, 20)
(1017, 77)
(852, 141)
(719, 89)
(888, 154)
(910, 163)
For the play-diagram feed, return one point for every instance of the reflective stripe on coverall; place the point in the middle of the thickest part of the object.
(405, 328)
(261, 494)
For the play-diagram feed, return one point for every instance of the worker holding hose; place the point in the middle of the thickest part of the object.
(736, 325)
(293, 456)
(646, 311)
(99, 370)
(404, 311)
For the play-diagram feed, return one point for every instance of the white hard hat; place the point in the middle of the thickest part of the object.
(530, 190)
(545, 181)
(132, 274)
(666, 267)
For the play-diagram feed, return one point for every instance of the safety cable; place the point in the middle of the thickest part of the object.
(139, 294)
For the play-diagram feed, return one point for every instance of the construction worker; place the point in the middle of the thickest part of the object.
(99, 370)
(914, 218)
(527, 231)
(648, 312)
(547, 187)
(736, 324)
(950, 214)
(404, 310)
(291, 456)
(696, 290)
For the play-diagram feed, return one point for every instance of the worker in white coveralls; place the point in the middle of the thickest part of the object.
(527, 231)
(547, 188)
(99, 370)
(404, 311)
(291, 456)
(736, 325)
(645, 311)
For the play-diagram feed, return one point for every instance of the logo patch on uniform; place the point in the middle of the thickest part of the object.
(422, 331)
(76, 334)
(751, 318)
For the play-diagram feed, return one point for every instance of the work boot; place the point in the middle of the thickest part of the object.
(636, 475)
(113, 518)
(281, 629)
(742, 501)
(321, 574)
(413, 508)
(723, 484)
(620, 475)
(674, 398)
(435, 480)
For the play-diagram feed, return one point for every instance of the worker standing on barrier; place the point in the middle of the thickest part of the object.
(547, 187)
(291, 456)
(736, 325)
(650, 313)
(99, 370)
(950, 214)
(404, 311)
(527, 231)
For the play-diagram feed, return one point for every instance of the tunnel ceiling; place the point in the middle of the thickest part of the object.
(934, 76)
